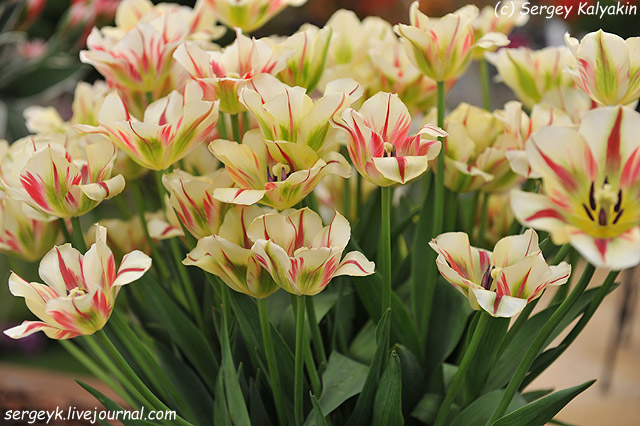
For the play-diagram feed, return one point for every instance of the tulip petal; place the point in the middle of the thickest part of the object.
(615, 253)
(355, 264)
(498, 306)
(133, 266)
(515, 248)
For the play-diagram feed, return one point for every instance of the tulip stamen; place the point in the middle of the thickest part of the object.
(76, 292)
(389, 150)
(487, 278)
(605, 202)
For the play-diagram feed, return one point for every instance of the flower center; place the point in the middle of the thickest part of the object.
(278, 173)
(76, 292)
(389, 150)
(604, 204)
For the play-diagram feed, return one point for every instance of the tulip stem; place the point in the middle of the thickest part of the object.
(436, 229)
(274, 376)
(65, 231)
(139, 202)
(298, 391)
(316, 336)
(460, 376)
(235, 127)
(133, 378)
(483, 220)
(540, 340)
(384, 259)
(484, 76)
(222, 126)
(78, 236)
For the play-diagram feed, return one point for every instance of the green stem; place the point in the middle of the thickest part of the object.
(274, 376)
(483, 220)
(222, 126)
(298, 391)
(133, 378)
(384, 259)
(158, 260)
(484, 76)
(436, 229)
(312, 370)
(473, 211)
(235, 127)
(316, 336)
(65, 231)
(605, 288)
(185, 280)
(460, 376)
(78, 236)
(358, 195)
(539, 342)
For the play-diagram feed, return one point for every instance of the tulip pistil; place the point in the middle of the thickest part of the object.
(278, 173)
(389, 150)
(605, 203)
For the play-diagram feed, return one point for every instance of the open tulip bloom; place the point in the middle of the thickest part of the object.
(287, 162)
(379, 143)
(80, 291)
(172, 127)
(591, 183)
(301, 255)
(503, 282)
(608, 67)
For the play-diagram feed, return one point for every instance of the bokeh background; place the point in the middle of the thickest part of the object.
(39, 45)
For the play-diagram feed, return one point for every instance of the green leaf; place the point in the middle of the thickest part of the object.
(510, 357)
(479, 412)
(318, 416)
(181, 329)
(220, 410)
(112, 406)
(342, 379)
(387, 409)
(362, 412)
(259, 414)
(363, 346)
(449, 316)
(539, 412)
(426, 409)
(413, 380)
(536, 394)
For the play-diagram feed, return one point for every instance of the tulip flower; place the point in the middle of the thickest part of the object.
(500, 283)
(379, 144)
(164, 224)
(499, 218)
(608, 67)
(518, 127)
(305, 67)
(123, 236)
(288, 114)
(476, 148)
(53, 183)
(590, 184)
(532, 74)
(22, 236)
(278, 174)
(488, 21)
(441, 48)
(192, 199)
(395, 73)
(80, 291)
(172, 127)
(351, 41)
(136, 56)
(249, 15)
(228, 254)
(301, 255)
(222, 74)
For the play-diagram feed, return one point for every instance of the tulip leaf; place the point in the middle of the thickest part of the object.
(510, 356)
(362, 412)
(233, 392)
(113, 406)
(426, 409)
(537, 394)
(187, 383)
(220, 410)
(363, 345)
(485, 355)
(479, 412)
(319, 418)
(177, 324)
(449, 317)
(342, 379)
(257, 410)
(402, 324)
(539, 412)
(387, 409)
(413, 380)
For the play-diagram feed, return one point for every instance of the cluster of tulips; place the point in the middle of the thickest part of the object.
(249, 162)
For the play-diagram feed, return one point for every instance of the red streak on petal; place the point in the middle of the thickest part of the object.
(613, 145)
